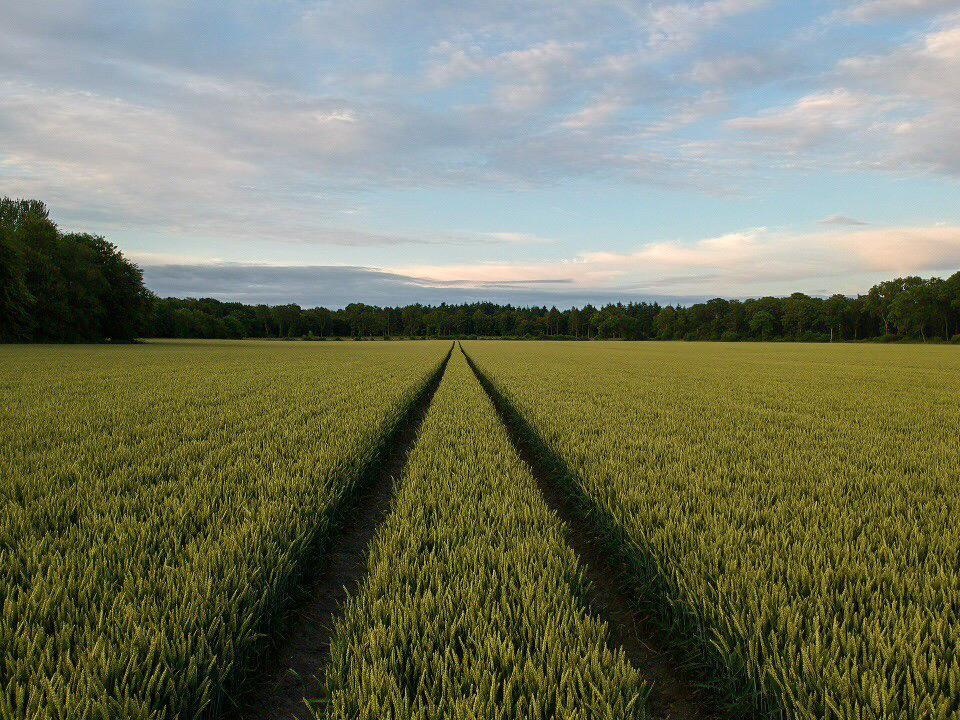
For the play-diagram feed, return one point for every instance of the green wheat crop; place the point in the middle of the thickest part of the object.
(792, 510)
(473, 603)
(157, 503)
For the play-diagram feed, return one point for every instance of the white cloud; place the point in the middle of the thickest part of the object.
(896, 112)
(592, 116)
(519, 238)
(678, 26)
(841, 220)
(735, 69)
(138, 121)
(244, 171)
(819, 117)
(944, 45)
(740, 263)
(710, 103)
(926, 76)
(523, 79)
(61, 144)
(150, 259)
(928, 69)
(517, 94)
(872, 10)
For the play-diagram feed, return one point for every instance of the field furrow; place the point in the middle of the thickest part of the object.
(786, 511)
(157, 504)
(473, 606)
(295, 670)
(675, 692)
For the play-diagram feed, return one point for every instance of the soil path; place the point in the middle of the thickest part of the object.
(675, 694)
(295, 669)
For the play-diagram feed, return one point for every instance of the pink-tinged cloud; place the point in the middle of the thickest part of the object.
(735, 263)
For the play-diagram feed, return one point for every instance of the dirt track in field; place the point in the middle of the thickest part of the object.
(675, 694)
(294, 670)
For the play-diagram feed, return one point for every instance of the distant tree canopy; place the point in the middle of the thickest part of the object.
(73, 287)
(57, 287)
(905, 308)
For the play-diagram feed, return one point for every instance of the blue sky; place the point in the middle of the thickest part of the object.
(323, 152)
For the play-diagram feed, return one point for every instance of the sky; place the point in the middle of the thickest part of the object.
(533, 152)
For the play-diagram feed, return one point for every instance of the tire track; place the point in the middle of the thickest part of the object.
(294, 670)
(675, 693)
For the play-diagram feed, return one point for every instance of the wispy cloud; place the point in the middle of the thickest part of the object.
(677, 26)
(337, 286)
(739, 68)
(743, 263)
(872, 10)
(841, 220)
(818, 118)
(524, 79)
(453, 127)
(895, 112)
(519, 238)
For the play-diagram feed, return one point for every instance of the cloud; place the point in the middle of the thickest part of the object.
(738, 69)
(245, 173)
(926, 69)
(109, 165)
(896, 112)
(593, 115)
(64, 146)
(337, 286)
(139, 115)
(747, 263)
(133, 120)
(692, 110)
(519, 238)
(841, 220)
(817, 118)
(736, 264)
(926, 75)
(330, 286)
(678, 26)
(872, 10)
(524, 79)
(123, 136)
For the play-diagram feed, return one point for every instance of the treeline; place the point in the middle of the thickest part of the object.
(905, 308)
(64, 287)
(73, 287)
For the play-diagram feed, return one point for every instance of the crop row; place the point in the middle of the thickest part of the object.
(473, 605)
(790, 510)
(157, 503)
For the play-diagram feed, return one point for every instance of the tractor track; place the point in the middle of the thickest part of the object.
(675, 693)
(293, 671)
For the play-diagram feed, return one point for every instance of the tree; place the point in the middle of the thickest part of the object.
(762, 325)
(39, 239)
(834, 313)
(664, 323)
(234, 327)
(880, 299)
(952, 291)
(64, 287)
(553, 322)
(124, 301)
(798, 313)
(915, 307)
(16, 302)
